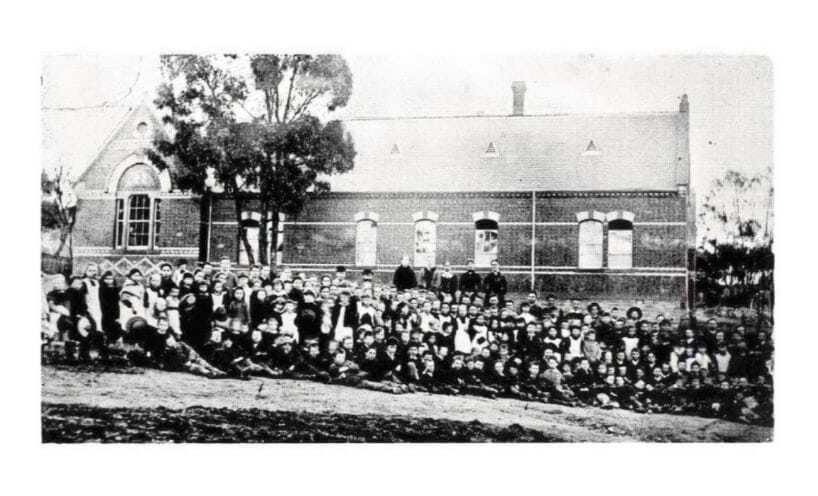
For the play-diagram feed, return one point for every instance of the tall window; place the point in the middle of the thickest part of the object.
(366, 240)
(620, 244)
(120, 222)
(590, 244)
(486, 242)
(139, 221)
(138, 215)
(425, 242)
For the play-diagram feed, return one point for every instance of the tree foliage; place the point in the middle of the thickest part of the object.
(251, 126)
(735, 260)
(59, 208)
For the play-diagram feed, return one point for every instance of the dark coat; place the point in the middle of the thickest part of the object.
(350, 317)
(495, 284)
(404, 278)
(448, 284)
(470, 281)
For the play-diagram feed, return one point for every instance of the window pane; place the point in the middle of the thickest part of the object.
(157, 221)
(425, 243)
(590, 245)
(366, 242)
(120, 222)
(139, 214)
(620, 248)
(486, 246)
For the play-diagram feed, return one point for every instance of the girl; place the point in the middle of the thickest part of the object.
(131, 298)
(92, 290)
(237, 308)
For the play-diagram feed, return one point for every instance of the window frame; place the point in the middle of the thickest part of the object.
(600, 242)
(418, 258)
(620, 225)
(359, 254)
(483, 258)
(124, 210)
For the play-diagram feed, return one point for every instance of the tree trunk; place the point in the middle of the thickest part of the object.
(241, 235)
(263, 249)
(63, 240)
(274, 238)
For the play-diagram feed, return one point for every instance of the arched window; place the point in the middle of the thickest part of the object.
(425, 238)
(590, 244)
(138, 214)
(486, 238)
(366, 239)
(620, 244)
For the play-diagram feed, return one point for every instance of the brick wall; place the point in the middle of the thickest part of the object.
(95, 222)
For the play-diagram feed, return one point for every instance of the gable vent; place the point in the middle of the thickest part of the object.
(591, 149)
(491, 150)
(395, 150)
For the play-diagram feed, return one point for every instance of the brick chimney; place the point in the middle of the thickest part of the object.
(684, 105)
(518, 87)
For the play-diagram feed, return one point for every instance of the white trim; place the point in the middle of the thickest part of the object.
(251, 215)
(620, 214)
(127, 163)
(366, 215)
(98, 194)
(590, 215)
(486, 214)
(306, 268)
(425, 215)
(454, 223)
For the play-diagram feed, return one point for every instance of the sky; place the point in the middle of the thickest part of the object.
(731, 97)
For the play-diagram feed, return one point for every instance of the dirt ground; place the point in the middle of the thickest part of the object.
(152, 389)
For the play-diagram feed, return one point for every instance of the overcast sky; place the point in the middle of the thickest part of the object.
(731, 98)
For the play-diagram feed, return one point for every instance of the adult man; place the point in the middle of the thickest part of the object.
(448, 281)
(495, 283)
(470, 280)
(404, 277)
(309, 317)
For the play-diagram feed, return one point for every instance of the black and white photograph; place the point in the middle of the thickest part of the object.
(326, 247)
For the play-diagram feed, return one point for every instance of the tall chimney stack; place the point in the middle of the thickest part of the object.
(518, 87)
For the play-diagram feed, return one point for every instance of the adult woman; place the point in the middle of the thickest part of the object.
(109, 307)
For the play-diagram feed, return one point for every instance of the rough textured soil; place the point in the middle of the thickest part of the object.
(150, 401)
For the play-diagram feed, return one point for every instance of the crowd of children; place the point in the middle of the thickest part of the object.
(440, 332)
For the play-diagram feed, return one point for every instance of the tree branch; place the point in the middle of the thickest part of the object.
(290, 89)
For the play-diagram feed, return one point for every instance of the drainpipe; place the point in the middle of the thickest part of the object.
(209, 224)
(533, 234)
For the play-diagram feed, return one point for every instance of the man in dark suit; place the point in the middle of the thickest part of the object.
(344, 317)
(470, 280)
(495, 283)
(405, 277)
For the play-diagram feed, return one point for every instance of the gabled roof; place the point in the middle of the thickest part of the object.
(534, 152)
(122, 140)
(73, 138)
(635, 151)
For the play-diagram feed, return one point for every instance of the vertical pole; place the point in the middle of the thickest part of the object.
(533, 235)
(209, 224)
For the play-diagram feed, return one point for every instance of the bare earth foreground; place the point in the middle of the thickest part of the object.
(149, 405)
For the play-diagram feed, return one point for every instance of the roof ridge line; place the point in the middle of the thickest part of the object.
(492, 116)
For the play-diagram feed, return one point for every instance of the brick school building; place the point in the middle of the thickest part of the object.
(593, 205)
